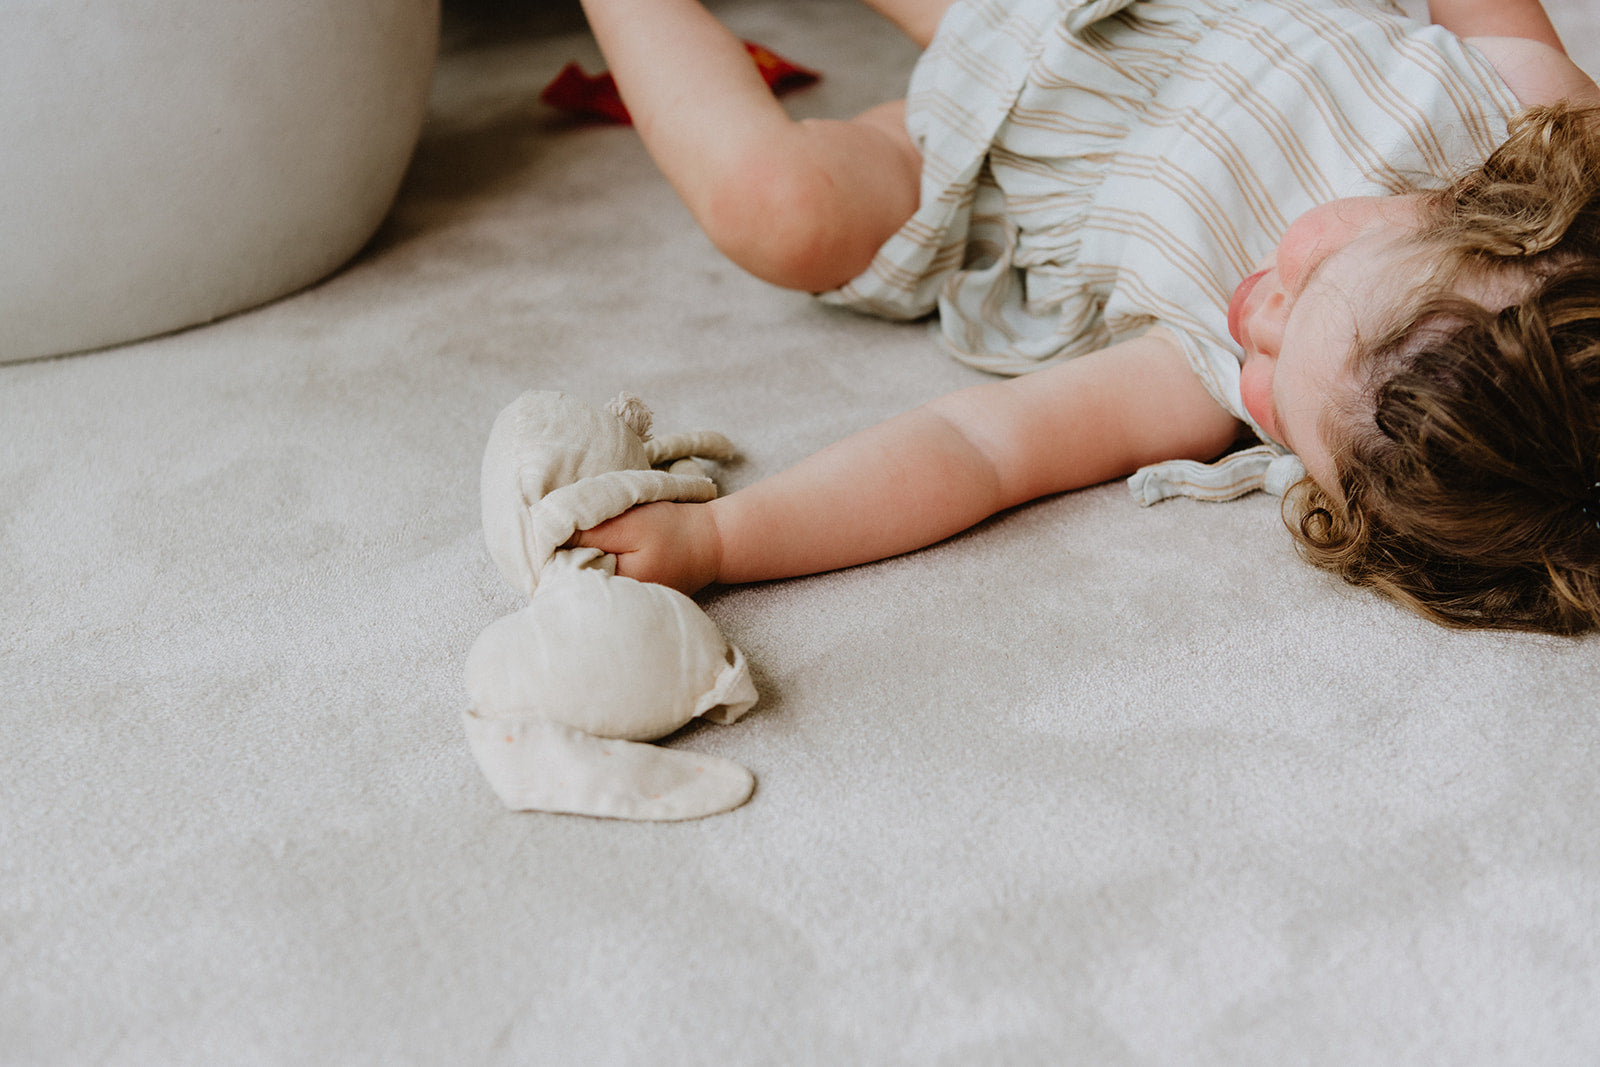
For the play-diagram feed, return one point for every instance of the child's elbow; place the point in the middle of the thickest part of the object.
(783, 224)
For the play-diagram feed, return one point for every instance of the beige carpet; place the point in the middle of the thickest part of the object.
(1091, 784)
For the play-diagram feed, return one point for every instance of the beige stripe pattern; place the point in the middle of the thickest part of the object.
(1095, 168)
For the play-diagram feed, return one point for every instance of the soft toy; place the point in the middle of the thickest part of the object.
(565, 690)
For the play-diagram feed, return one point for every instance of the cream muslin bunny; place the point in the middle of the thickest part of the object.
(565, 690)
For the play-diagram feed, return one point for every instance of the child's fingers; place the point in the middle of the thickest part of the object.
(609, 536)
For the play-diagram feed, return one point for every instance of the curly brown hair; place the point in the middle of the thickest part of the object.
(1468, 468)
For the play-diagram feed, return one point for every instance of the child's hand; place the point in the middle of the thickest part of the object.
(671, 544)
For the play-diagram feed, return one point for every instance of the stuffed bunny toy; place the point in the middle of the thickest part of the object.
(566, 691)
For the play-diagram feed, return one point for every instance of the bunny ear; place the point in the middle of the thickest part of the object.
(534, 765)
(706, 444)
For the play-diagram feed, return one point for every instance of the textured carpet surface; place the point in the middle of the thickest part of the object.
(1090, 783)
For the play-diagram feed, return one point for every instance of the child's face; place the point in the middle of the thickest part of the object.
(1335, 278)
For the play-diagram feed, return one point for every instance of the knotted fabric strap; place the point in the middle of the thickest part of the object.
(1264, 467)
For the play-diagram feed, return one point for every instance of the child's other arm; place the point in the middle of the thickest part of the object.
(1495, 18)
(933, 472)
(1517, 37)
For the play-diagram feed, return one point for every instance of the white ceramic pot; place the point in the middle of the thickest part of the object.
(166, 162)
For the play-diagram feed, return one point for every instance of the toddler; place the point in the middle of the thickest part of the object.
(1368, 242)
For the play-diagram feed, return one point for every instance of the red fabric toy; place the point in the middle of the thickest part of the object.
(595, 96)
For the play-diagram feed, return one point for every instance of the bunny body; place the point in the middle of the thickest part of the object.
(565, 691)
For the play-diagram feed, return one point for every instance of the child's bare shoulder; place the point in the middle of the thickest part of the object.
(1536, 72)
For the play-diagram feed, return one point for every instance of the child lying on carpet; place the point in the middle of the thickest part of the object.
(1077, 187)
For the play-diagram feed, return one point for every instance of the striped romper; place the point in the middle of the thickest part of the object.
(1092, 168)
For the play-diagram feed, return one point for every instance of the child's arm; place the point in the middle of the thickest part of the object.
(802, 204)
(1517, 37)
(1495, 18)
(933, 472)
